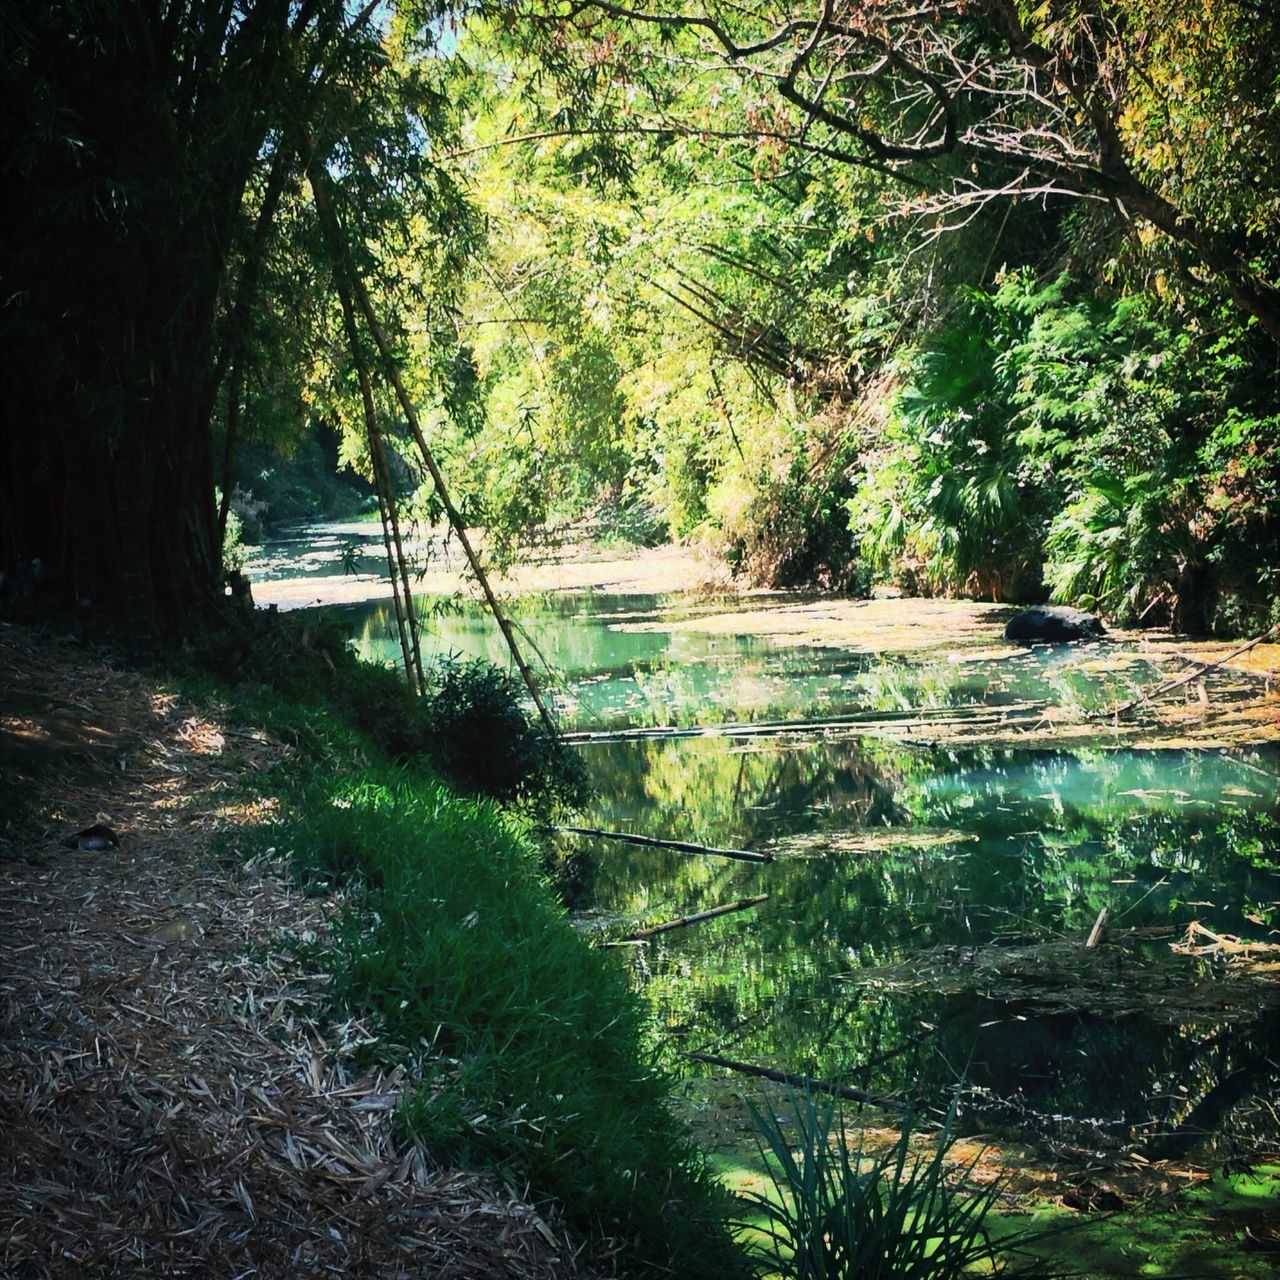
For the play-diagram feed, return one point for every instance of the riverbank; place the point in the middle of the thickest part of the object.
(571, 566)
(202, 1063)
(199, 1074)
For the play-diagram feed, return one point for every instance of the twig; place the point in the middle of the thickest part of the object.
(681, 846)
(1195, 674)
(642, 935)
(798, 1082)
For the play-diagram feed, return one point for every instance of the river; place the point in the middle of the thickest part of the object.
(928, 901)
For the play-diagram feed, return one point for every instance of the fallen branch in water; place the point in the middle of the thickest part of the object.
(680, 846)
(1200, 670)
(643, 935)
(907, 720)
(798, 1082)
(1220, 943)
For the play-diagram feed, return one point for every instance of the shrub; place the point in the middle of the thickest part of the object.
(473, 724)
(1091, 444)
(838, 1213)
(484, 740)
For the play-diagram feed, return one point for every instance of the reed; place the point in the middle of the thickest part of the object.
(836, 1211)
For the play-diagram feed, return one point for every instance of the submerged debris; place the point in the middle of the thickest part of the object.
(1267, 954)
(1061, 975)
(817, 844)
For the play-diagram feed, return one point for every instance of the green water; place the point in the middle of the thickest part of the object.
(984, 847)
(1013, 846)
(622, 661)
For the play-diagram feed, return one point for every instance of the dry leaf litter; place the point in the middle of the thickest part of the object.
(173, 1101)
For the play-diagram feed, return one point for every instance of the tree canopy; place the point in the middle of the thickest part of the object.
(975, 296)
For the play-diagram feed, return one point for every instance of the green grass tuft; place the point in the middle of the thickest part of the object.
(530, 1041)
(835, 1212)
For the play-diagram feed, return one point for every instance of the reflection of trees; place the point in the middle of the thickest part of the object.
(740, 793)
(1049, 836)
(1087, 1080)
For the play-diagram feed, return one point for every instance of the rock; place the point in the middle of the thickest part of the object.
(95, 839)
(185, 930)
(1053, 624)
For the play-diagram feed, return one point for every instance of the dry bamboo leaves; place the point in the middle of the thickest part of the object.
(173, 1097)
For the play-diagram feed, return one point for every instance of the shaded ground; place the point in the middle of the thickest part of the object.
(173, 1099)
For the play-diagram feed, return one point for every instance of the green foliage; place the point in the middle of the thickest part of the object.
(233, 552)
(837, 1212)
(1048, 437)
(482, 738)
(961, 496)
(1051, 435)
(530, 1044)
(796, 532)
(619, 269)
(169, 288)
(473, 725)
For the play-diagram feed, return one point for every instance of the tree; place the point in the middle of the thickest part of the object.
(1153, 109)
(153, 147)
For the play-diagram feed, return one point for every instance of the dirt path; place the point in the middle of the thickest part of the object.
(173, 1099)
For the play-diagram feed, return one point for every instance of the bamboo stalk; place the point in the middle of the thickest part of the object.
(320, 186)
(680, 846)
(797, 1082)
(401, 591)
(454, 516)
(681, 922)
(378, 451)
(975, 713)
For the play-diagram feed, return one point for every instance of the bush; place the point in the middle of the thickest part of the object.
(473, 725)
(1055, 437)
(481, 737)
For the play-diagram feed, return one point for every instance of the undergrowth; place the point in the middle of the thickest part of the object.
(529, 1044)
(839, 1212)
(472, 726)
(528, 1049)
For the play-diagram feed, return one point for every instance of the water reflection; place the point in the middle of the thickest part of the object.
(621, 661)
(972, 849)
(891, 854)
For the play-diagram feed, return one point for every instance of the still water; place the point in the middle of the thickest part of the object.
(900, 868)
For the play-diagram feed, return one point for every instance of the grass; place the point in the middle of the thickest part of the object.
(831, 1211)
(529, 1053)
(530, 1047)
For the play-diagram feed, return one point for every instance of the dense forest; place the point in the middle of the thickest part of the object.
(974, 297)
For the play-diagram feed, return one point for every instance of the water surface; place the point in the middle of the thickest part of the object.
(890, 853)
